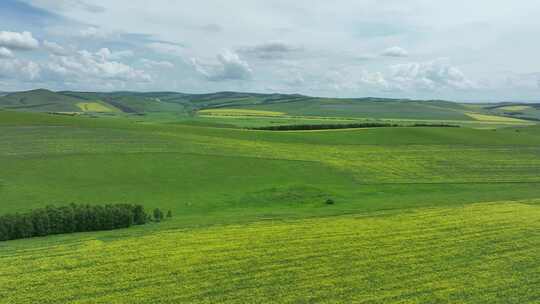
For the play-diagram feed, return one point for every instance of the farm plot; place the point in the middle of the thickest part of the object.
(97, 107)
(481, 253)
(494, 118)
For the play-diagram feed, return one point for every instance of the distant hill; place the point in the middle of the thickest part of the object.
(40, 101)
(527, 111)
(291, 104)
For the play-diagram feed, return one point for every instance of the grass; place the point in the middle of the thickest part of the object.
(380, 109)
(414, 219)
(481, 253)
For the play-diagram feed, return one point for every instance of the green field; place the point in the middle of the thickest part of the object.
(421, 215)
(481, 253)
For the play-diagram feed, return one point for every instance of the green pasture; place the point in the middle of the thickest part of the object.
(479, 253)
(438, 215)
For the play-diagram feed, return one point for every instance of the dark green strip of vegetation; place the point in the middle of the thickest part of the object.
(74, 218)
(438, 125)
(346, 126)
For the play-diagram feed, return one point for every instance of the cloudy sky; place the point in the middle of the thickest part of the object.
(460, 49)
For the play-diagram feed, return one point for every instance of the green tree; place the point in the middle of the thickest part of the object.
(139, 216)
(40, 220)
(73, 218)
(4, 228)
(158, 215)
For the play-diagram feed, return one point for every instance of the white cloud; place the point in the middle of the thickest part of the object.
(167, 48)
(55, 5)
(97, 66)
(157, 64)
(395, 51)
(355, 80)
(270, 50)
(95, 33)
(374, 79)
(294, 79)
(5, 53)
(430, 75)
(334, 36)
(55, 48)
(19, 69)
(107, 54)
(18, 41)
(523, 81)
(229, 67)
(211, 28)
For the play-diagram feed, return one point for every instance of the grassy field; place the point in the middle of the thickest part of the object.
(481, 253)
(433, 215)
(389, 109)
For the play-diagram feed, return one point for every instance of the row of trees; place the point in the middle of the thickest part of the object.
(440, 125)
(347, 126)
(327, 126)
(73, 218)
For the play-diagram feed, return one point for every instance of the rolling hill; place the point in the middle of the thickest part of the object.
(40, 101)
(421, 214)
(291, 105)
(528, 111)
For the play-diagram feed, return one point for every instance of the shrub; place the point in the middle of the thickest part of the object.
(330, 201)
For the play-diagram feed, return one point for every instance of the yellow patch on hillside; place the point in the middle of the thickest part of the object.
(94, 107)
(493, 118)
(514, 108)
(239, 112)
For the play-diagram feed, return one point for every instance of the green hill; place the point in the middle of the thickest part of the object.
(40, 101)
(202, 109)
(368, 108)
(528, 111)
(421, 214)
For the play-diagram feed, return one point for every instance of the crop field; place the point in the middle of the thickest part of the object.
(515, 108)
(94, 107)
(484, 117)
(481, 253)
(421, 215)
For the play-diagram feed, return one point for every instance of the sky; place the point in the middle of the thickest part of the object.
(482, 50)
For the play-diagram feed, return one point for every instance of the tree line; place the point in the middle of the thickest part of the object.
(326, 126)
(74, 218)
(347, 126)
(439, 125)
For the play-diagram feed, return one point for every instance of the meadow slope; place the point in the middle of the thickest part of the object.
(482, 253)
(433, 215)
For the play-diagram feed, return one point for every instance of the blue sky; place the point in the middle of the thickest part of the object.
(480, 51)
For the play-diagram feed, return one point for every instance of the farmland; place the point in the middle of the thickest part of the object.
(94, 107)
(481, 253)
(269, 151)
(421, 214)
